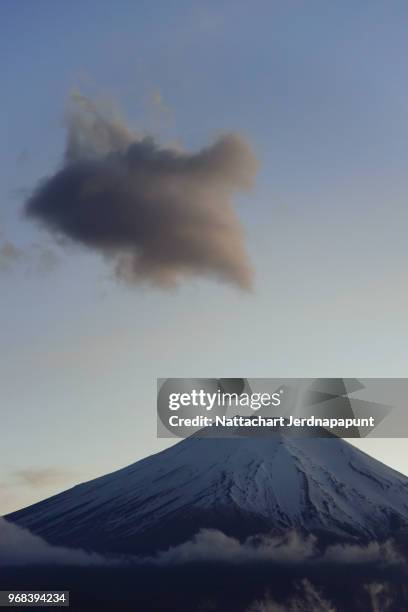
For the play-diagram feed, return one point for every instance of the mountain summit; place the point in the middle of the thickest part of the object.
(241, 485)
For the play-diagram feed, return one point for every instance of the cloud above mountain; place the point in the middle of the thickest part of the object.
(158, 214)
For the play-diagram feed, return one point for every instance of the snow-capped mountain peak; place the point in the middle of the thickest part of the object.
(239, 484)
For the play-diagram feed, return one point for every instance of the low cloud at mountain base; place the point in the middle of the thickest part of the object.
(19, 546)
(211, 545)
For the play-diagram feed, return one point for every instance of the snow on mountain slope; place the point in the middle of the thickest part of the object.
(241, 485)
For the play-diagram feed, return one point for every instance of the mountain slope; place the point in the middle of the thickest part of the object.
(241, 485)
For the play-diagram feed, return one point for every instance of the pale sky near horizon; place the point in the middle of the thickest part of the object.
(320, 91)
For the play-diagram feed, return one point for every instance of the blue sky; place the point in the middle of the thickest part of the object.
(320, 91)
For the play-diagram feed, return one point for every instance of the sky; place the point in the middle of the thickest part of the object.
(319, 92)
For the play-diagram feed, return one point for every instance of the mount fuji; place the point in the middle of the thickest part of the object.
(240, 484)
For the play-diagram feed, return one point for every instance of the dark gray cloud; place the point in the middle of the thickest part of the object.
(159, 214)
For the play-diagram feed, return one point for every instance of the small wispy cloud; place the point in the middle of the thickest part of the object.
(382, 552)
(41, 477)
(380, 596)
(10, 255)
(33, 259)
(307, 599)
